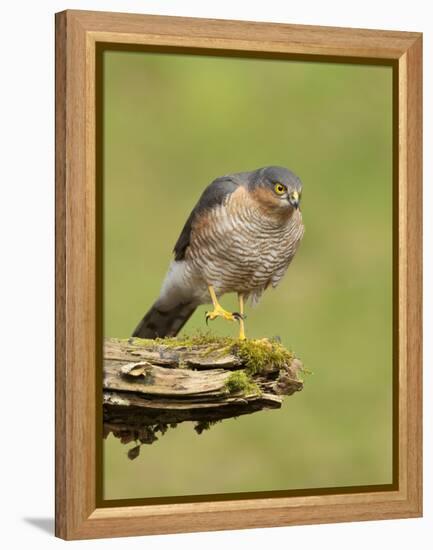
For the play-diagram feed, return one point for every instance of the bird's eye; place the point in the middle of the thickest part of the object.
(279, 188)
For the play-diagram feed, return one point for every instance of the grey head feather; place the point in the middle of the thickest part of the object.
(270, 175)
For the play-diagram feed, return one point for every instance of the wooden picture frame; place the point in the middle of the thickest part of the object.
(79, 513)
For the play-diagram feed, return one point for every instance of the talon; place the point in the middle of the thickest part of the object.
(211, 316)
(239, 316)
(220, 312)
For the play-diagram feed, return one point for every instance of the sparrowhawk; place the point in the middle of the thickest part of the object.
(240, 237)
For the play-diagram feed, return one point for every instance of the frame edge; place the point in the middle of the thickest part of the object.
(414, 274)
(73, 524)
(60, 275)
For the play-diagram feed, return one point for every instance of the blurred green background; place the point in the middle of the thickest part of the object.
(172, 123)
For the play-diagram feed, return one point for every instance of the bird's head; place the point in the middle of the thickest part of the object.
(277, 188)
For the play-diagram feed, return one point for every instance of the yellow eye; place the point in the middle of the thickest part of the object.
(279, 188)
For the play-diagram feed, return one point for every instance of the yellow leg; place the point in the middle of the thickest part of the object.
(218, 310)
(241, 319)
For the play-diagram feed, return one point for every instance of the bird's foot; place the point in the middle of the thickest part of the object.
(220, 312)
(242, 332)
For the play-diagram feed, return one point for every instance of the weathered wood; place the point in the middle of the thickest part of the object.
(151, 385)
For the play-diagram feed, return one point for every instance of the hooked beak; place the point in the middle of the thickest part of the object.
(294, 199)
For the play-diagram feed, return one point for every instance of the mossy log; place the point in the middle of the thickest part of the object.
(150, 385)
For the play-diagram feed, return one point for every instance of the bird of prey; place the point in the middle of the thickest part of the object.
(240, 237)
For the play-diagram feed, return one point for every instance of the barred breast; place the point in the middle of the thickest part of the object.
(239, 247)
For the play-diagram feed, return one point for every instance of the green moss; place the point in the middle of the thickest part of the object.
(195, 340)
(259, 355)
(240, 382)
(256, 355)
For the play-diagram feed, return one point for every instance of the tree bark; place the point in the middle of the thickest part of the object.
(149, 386)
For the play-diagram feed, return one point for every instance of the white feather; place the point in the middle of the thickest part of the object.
(181, 284)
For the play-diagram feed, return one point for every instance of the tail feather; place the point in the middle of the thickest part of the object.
(159, 322)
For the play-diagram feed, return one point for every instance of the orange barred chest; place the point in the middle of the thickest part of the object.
(237, 247)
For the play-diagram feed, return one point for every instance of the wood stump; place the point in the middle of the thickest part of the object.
(151, 385)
